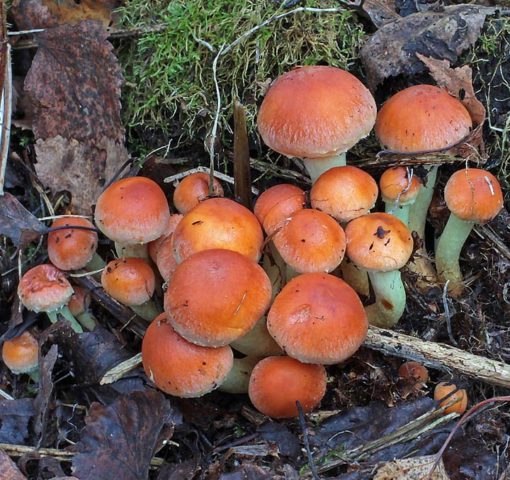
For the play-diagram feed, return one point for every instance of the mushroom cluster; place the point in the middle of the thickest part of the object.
(260, 301)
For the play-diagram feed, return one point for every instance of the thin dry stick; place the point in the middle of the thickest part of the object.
(121, 369)
(5, 117)
(440, 356)
(302, 423)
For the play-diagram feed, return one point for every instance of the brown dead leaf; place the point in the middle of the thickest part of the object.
(8, 469)
(459, 83)
(379, 11)
(79, 168)
(416, 468)
(29, 14)
(442, 34)
(74, 84)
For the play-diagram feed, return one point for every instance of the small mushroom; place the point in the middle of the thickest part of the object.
(79, 306)
(21, 355)
(473, 196)
(194, 189)
(457, 401)
(277, 383)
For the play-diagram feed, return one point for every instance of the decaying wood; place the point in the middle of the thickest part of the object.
(439, 356)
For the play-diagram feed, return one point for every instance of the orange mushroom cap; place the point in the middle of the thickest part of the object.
(277, 204)
(413, 371)
(344, 193)
(179, 367)
(165, 259)
(459, 397)
(276, 383)
(21, 354)
(155, 245)
(71, 249)
(473, 195)
(80, 301)
(315, 112)
(318, 318)
(193, 189)
(216, 296)
(44, 288)
(311, 241)
(378, 242)
(132, 211)
(131, 281)
(398, 184)
(421, 118)
(218, 223)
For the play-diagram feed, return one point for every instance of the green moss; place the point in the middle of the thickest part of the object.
(168, 74)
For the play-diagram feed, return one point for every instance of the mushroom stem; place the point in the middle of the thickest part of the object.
(448, 250)
(390, 299)
(257, 342)
(238, 378)
(139, 250)
(356, 278)
(94, 265)
(34, 375)
(397, 210)
(316, 167)
(66, 313)
(148, 310)
(87, 320)
(420, 208)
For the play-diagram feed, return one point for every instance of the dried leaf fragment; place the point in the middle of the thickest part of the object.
(442, 34)
(8, 469)
(416, 468)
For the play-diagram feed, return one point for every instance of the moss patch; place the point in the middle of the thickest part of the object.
(169, 80)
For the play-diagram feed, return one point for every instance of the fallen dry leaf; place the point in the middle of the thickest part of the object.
(15, 416)
(17, 223)
(459, 83)
(416, 468)
(29, 14)
(379, 11)
(8, 469)
(74, 84)
(444, 34)
(80, 168)
(120, 439)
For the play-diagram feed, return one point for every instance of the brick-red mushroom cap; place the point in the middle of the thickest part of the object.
(474, 195)
(80, 301)
(218, 223)
(131, 281)
(193, 189)
(179, 367)
(318, 318)
(421, 118)
(132, 211)
(154, 246)
(216, 296)
(276, 383)
(315, 112)
(277, 204)
(398, 185)
(311, 241)
(44, 288)
(71, 249)
(21, 354)
(379, 242)
(344, 193)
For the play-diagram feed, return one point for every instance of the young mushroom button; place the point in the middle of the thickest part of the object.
(193, 189)
(316, 113)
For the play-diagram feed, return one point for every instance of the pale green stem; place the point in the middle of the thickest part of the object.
(257, 342)
(94, 265)
(148, 311)
(238, 379)
(418, 211)
(34, 375)
(139, 250)
(66, 313)
(399, 211)
(318, 166)
(356, 278)
(87, 320)
(448, 250)
(390, 299)
(275, 269)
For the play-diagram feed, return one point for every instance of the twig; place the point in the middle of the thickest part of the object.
(62, 455)
(121, 369)
(221, 176)
(440, 356)
(5, 395)
(302, 423)
(5, 116)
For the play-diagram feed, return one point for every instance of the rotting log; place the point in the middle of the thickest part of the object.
(440, 356)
